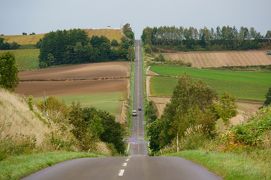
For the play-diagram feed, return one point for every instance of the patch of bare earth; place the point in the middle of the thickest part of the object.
(221, 58)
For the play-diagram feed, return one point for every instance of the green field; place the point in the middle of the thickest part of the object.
(26, 59)
(242, 84)
(110, 102)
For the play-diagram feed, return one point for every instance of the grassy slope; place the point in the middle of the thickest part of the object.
(244, 85)
(19, 166)
(229, 165)
(26, 59)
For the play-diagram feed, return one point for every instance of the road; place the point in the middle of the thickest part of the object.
(137, 166)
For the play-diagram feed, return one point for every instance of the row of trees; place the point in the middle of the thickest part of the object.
(193, 104)
(6, 46)
(221, 38)
(74, 46)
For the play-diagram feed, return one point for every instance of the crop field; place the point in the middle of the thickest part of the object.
(26, 59)
(109, 33)
(90, 84)
(221, 58)
(33, 39)
(242, 84)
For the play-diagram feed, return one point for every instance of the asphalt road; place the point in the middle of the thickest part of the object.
(137, 166)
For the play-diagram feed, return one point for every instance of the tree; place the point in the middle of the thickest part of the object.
(114, 43)
(8, 71)
(191, 105)
(24, 33)
(268, 98)
(226, 107)
(151, 112)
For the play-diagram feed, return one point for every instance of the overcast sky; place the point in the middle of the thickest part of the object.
(17, 16)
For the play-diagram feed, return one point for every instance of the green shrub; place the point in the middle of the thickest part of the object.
(253, 132)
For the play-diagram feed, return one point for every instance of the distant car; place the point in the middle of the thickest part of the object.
(134, 113)
(139, 109)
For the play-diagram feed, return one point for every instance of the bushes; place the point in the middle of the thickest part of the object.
(87, 125)
(256, 130)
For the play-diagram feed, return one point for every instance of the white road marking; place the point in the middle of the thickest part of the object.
(124, 164)
(121, 172)
(127, 159)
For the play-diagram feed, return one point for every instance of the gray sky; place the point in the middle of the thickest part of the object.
(17, 16)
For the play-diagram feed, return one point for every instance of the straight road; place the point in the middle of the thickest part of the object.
(138, 146)
(137, 166)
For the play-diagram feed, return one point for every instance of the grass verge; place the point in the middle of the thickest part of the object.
(17, 167)
(229, 165)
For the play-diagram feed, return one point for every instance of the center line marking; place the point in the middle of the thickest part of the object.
(124, 164)
(121, 172)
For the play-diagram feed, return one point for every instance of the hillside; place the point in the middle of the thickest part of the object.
(33, 39)
(16, 119)
(21, 127)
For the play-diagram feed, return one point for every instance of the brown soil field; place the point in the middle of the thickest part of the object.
(75, 79)
(221, 58)
(92, 71)
(47, 88)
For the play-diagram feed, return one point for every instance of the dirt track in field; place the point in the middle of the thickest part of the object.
(221, 58)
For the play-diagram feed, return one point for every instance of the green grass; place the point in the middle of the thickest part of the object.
(17, 167)
(229, 165)
(242, 84)
(26, 59)
(110, 101)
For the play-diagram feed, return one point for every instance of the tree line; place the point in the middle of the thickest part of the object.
(221, 38)
(74, 46)
(7, 46)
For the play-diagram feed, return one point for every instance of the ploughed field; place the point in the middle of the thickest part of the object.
(221, 58)
(102, 85)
